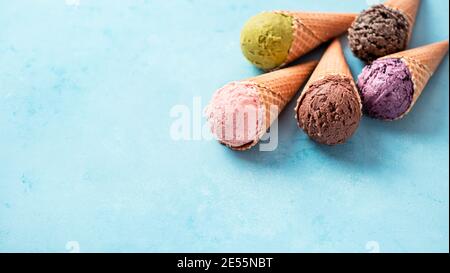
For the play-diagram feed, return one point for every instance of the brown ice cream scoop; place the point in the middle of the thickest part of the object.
(329, 109)
(383, 29)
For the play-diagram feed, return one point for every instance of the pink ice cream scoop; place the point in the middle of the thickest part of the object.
(242, 111)
(235, 114)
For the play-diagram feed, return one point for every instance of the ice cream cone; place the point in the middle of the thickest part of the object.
(275, 90)
(312, 29)
(408, 8)
(332, 63)
(422, 62)
(329, 108)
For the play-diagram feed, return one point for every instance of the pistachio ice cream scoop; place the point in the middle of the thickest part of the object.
(266, 39)
(271, 40)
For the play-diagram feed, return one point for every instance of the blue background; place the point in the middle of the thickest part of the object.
(86, 156)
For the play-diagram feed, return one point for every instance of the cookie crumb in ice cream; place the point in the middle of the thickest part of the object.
(377, 32)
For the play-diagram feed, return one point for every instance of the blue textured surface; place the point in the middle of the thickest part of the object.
(86, 158)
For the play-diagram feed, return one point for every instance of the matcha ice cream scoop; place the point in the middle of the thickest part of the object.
(271, 40)
(266, 39)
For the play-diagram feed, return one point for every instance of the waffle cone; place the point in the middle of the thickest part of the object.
(313, 28)
(275, 90)
(422, 62)
(332, 63)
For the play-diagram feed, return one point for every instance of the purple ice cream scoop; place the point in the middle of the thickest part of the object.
(386, 89)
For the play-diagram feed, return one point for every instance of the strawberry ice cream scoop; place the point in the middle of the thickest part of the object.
(235, 114)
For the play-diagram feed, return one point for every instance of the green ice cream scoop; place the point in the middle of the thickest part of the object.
(266, 39)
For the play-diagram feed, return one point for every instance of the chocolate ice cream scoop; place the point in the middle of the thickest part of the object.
(377, 32)
(386, 88)
(329, 111)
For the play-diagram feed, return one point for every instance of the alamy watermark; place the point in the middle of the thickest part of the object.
(73, 247)
(373, 247)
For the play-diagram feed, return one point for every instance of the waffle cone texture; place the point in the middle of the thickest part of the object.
(275, 90)
(332, 63)
(422, 62)
(310, 29)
